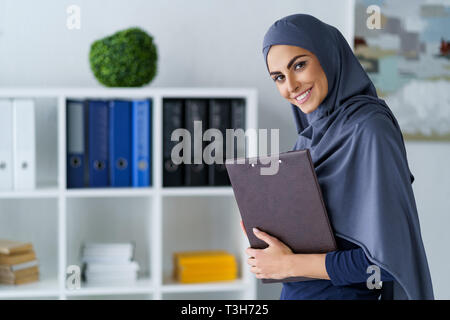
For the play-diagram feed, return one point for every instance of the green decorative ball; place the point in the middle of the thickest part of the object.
(125, 59)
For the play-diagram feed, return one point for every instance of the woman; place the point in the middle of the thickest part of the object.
(360, 161)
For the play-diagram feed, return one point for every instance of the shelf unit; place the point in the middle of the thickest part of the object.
(57, 219)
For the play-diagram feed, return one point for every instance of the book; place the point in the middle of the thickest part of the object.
(204, 265)
(183, 278)
(111, 281)
(19, 274)
(108, 252)
(109, 263)
(13, 247)
(209, 265)
(19, 266)
(287, 204)
(195, 271)
(202, 255)
(206, 261)
(30, 278)
(112, 250)
(110, 277)
(131, 266)
(17, 258)
(106, 259)
(109, 245)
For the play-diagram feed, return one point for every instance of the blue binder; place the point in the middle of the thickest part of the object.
(75, 144)
(98, 143)
(120, 143)
(141, 137)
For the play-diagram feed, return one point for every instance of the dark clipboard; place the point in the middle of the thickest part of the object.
(288, 205)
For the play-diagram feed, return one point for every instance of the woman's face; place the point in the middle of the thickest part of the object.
(298, 76)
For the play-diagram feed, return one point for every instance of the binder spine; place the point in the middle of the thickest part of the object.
(6, 145)
(120, 143)
(98, 144)
(24, 144)
(141, 143)
(238, 122)
(173, 118)
(219, 118)
(196, 174)
(75, 144)
(150, 138)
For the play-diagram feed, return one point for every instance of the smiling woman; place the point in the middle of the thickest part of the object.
(298, 75)
(359, 157)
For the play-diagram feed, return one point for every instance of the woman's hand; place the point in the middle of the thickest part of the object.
(277, 261)
(271, 262)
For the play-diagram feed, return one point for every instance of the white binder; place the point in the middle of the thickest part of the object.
(24, 144)
(6, 144)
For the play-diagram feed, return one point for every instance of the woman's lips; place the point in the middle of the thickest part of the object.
(304, 97)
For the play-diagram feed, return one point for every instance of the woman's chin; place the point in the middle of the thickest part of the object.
(304, 109)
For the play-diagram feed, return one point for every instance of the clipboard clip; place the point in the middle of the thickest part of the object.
(252, 164)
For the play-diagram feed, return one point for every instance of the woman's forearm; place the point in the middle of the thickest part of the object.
(308, 265)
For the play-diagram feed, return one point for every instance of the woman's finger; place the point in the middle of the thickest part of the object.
(255, 270)
(243, 228)
(270, 240)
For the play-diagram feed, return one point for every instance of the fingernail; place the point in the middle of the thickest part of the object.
(255, 230)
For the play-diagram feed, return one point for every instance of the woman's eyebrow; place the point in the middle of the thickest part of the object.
(289, 64)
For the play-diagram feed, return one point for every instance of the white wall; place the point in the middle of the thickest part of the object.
(429, 163)
(200, 43)
(208, 43)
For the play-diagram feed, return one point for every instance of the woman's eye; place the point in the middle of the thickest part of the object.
(301, 64)
(298, 66)
(277, 78)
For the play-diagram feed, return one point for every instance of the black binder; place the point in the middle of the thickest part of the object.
(173, 118)
(219, 118)
(196, 110)
(238, 122)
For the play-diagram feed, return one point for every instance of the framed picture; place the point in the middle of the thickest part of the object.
(404, 46)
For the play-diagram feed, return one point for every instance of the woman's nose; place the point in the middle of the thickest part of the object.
(292, 84)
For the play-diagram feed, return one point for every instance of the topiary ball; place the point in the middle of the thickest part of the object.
(125, 59)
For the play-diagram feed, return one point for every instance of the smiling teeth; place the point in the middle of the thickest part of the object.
(303, 95)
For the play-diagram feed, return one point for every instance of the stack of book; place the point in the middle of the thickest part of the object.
(18, 263)
(204, 266)
(109, 143)
(109, 264)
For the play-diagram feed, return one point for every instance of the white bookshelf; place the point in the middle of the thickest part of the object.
(161, 220)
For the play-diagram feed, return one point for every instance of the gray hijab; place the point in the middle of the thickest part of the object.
(359, 158)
